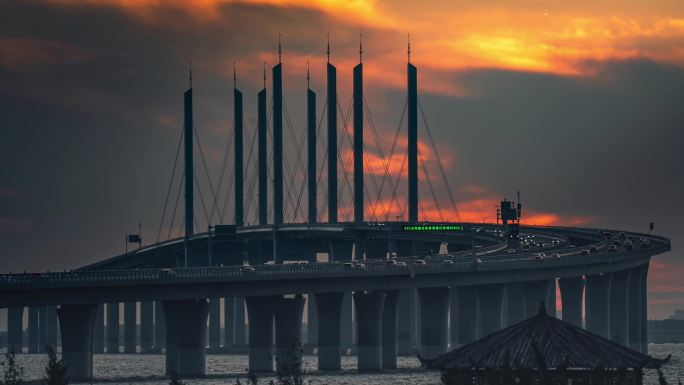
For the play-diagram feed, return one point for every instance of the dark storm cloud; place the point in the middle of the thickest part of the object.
(91, 108)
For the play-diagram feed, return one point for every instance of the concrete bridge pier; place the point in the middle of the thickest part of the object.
(214, 324)
(76, 325)
(491, 299)
(288, 326)
(619, 320)
(572, 293)
(597, 303)
(406, 321)
(240, 330)
(434, 321)
(32, 330)
(260, 315)
(311, 323)
(130, 321)
(99, 331)
(634, 309)
(146, 326)
(515, 303)
(389, 330)
(186, 323)
(42, 328)
(467, 315)
(536, 292)
(228, 322)
(15, 326)
(369, 307)
(159, 328)
(112, 327)
(643, 272)
(329, 308)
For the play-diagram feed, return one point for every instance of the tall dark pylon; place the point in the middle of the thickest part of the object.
(412, 139)
(311, 145)
(358, 138)
(189, 181)
(278, 140)
(263, 155)
(239, 178)
(332, 139)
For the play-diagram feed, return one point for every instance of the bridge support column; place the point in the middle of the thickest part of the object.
(467, 315)
(15, 325)
(112, 327)
(130, 320)
(288, 325)
(619, 320)
(159, 327)
(42, 328)
(536, 292)
(434, 321)
(76, 325)
(214, 324)
(406, 325)
(228, 322)
(240, 334)
(33, 329)
(491, 308)
(99, 331)
(347, 324)
(329, 308)
(260, 315)
(644, 308)
(634, 309)
(453, 321)
(146, 326)
(311, 323)
(369, 307)
(572, 293)
(389, 330)
(515, 303)
(186, 323)
(598, 304)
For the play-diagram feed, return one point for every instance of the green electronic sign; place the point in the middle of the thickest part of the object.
(421, 228)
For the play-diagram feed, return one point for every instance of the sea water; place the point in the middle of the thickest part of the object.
(148, 369)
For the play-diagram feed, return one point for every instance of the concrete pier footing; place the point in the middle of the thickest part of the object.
(491, 299)
(369, 307)
(329, 308)
(434, 321)
(76, 326)
(186, 322)
(598, 304)
(389, 330)
(260, 315)
(572, 294)
(288, 314)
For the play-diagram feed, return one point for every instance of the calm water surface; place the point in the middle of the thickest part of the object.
(139, 369)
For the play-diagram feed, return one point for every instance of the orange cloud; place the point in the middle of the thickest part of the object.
(19, 53)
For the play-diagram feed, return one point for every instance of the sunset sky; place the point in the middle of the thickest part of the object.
(579, 105)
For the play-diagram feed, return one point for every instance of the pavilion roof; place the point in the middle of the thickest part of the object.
(561, 344)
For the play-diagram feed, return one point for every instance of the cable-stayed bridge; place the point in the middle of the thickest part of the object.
(370, 281)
